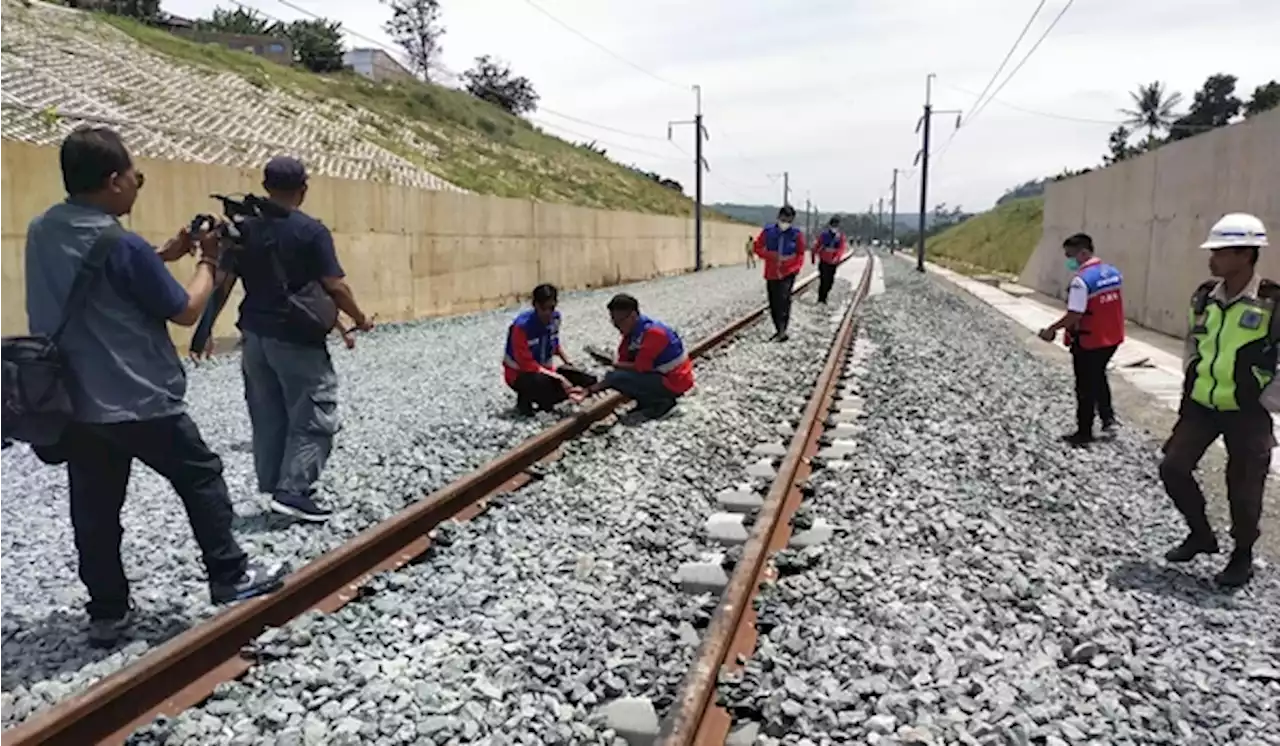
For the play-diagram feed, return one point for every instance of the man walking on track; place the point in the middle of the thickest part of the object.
(532, 340)
(1230, 390)
(781, 245)
(652, 366)
(1094, 328)
(828, 252)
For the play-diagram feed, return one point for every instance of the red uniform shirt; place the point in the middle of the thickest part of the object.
(678, 380)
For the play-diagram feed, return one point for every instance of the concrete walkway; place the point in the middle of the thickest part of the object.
(1146, 366)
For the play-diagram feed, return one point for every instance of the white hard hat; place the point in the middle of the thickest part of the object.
(1237, 229)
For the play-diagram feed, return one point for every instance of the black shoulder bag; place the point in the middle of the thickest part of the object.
(311, 310)
(37, 406)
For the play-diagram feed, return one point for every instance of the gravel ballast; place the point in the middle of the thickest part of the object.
(422, 403)
(987, 584)
(554, 616)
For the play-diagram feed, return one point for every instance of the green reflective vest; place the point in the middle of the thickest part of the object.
(1235, 347)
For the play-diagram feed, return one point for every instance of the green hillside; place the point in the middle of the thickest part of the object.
(999, 240)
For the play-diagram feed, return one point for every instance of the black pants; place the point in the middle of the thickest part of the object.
(1249, 439)
(1093, 393)
(826, 279)
(545, 392)
(780, 301)
(100, 458)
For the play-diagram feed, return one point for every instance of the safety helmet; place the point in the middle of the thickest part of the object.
(1236, 230)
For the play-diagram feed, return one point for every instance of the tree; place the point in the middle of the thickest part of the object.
(238, 21)
(1118, 146)
(1214, 105)
(143, 10)
(1153, 109)
(317, 44)
(491, 80)
(1265, 98)
(415, 26)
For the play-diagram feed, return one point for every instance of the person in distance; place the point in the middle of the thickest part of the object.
(127, 383)
(652, 366)
(828, 252)
(781, 246)
(751, 251)
(1093, 329)
(1230, 390)
(533, 339)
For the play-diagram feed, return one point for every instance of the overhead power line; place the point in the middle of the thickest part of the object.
(1025, 57)
(1007, 55)
(602, 47)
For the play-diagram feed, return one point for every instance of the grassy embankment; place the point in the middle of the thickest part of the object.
(999, 241)
(478, 146)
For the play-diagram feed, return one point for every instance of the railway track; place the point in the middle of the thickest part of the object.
(184, 671)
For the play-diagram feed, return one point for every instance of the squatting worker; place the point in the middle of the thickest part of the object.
(781, 245)
(290, 385)
(652, 367)
(1230, 388)
(751, 251)
(828, 252)
(127, 384)
(1093, 328)
(527, 365)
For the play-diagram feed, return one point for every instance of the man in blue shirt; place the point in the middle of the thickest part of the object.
(289, 383)
(126, 382)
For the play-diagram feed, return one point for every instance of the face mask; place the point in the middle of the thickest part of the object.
(784, 226)
(1073, 264)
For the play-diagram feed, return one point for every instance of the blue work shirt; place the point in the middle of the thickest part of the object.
(305, 248)
(123, 366)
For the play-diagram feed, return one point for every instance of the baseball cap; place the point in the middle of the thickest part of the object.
(284, 172)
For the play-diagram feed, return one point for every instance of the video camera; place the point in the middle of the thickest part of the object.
(237, 208)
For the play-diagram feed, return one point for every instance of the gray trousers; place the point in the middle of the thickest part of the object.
(292, 393)
(647, 389)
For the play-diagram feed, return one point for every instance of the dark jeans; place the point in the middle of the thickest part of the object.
(826, 279)
(292, 394)
(1093, 392)
(544, 392)
(100, 459)
(1249, 439)
(647, 389)
(780, 301)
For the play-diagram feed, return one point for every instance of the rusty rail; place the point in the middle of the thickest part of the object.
(182, 672)
(697, 719)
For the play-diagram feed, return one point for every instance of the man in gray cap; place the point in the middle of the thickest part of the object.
(289, 382)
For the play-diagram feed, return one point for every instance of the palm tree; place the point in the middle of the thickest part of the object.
(1154, 108)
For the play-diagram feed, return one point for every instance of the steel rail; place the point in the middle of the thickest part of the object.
(183, 671)
(697, 719)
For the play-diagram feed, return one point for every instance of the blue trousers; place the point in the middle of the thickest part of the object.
(646, 388)
(292, 393)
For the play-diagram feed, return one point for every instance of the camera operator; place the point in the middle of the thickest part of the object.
(289, 383)
(126, 382)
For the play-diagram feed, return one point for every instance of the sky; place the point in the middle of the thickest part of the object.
(830, 91)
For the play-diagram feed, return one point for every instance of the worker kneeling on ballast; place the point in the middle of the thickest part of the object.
(1230, 390)
(652, 366)
(532, 340)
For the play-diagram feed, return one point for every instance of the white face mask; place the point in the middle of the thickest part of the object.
(783, 226)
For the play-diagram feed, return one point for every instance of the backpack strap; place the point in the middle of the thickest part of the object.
(89, 271)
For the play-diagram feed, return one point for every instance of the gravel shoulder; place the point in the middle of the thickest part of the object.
(988, 586)
(422, 403)
(524, 623)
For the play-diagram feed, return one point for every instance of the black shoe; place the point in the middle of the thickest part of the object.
(107, 633)
(302, 507)
(1195, 543)
(256, 580)
(1078, 439)
(659, 409)
(1239, 569)
(524, 407)
(781, 337)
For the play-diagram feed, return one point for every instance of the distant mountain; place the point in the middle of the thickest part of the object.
(761, 214)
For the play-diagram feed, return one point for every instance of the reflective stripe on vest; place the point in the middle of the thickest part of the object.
(543, 338)
(671, 356)
(1233, 359)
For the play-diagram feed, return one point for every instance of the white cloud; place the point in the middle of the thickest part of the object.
(830, 90)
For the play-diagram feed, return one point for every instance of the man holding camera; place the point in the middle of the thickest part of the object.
(126, 383)
(290, 385)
